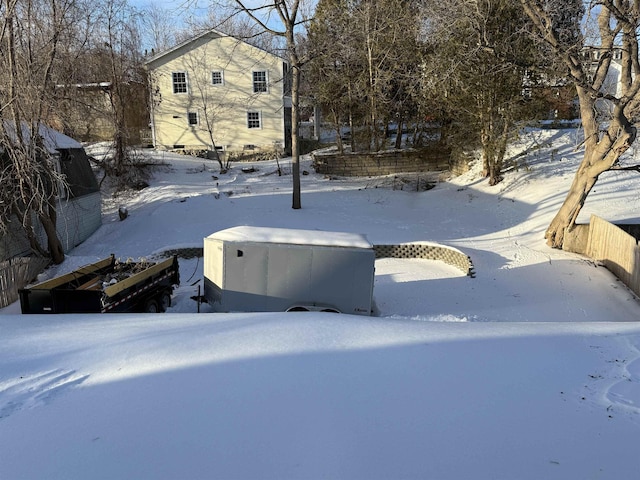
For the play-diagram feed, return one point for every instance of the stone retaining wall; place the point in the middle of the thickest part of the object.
(428, 251)
(383, 163)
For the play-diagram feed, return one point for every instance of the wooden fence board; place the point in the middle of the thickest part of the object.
(616, 249)
(15, 274)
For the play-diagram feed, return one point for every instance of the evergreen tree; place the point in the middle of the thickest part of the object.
(476, 64)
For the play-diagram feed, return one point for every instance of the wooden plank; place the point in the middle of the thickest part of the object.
(61, 280)
(94, 284)
(138, 277)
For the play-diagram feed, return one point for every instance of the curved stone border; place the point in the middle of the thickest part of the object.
(428, 251)
(190, 252)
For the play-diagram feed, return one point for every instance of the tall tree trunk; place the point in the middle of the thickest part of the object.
(398, 143)
(36, 177)
(338, 124)
(48, 220)
(295, 122)
(600, 155)
(597, 159)
(288, 13)
(616, 24)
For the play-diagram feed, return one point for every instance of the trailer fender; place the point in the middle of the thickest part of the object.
(312, 308)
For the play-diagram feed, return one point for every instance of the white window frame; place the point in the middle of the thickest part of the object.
(189, 119)
(174, 83)
(255, 83)
(250, 120)
(221, 72)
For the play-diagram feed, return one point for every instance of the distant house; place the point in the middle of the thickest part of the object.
(217, 92)
(592, 56)
(87, 112)
(79, 209)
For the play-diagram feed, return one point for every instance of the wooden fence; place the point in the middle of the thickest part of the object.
(15, 274)
(616, 249)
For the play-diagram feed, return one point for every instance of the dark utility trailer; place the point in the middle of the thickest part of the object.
(278, 269)
(107, 286)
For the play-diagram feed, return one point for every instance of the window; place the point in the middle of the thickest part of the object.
(254, 120)
(217, 78)
(179, 82)
(259, 82)
(193, 118)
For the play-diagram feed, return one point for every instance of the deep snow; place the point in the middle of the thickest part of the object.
(528, 370)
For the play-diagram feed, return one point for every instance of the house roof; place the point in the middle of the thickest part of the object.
(177, 49)
(87, 86)
(52, 139)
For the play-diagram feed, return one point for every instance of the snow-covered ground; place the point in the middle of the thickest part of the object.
(529, 370)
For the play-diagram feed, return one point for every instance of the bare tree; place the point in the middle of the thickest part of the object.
(290, 15)
(116, 48)
(589, 66)
(30, 34)
(158, 28)
(224, 19)
(212, 107)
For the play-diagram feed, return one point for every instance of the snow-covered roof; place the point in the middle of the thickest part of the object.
(101, 85)
(292, 236)
(52, 139)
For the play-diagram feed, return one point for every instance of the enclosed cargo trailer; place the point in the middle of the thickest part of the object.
(279, 269)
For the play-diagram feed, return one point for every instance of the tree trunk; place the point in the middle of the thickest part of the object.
(398, 144)
(565, 218)
(295, 122)
(337, 126)
(597, 159)
(600, 155)
(55, 246)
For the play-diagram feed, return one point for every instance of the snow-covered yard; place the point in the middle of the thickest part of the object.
(529, 370)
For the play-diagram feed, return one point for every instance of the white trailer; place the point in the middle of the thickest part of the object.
(278, 269)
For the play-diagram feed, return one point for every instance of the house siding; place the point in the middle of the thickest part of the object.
(224, 105)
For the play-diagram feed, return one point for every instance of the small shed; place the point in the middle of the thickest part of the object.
(279, 269)
(79, 209)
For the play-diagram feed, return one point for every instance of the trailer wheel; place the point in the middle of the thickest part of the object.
(151, 306)
(165, 301)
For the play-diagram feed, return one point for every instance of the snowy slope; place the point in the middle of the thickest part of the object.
(529, 370)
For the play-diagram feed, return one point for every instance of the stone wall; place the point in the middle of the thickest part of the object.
(383, 163)
(425, 250)
(428, 251)
(460, 162)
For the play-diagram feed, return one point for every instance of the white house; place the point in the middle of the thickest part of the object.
(217, 92)
(611, 84)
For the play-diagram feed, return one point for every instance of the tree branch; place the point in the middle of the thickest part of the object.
(633, 168)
